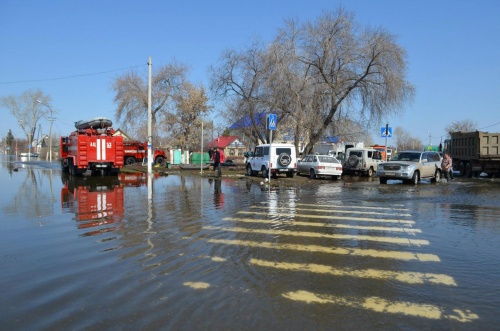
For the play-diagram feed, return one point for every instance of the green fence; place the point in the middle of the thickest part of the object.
(196, 158)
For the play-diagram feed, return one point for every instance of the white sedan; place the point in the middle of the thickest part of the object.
(319, 165)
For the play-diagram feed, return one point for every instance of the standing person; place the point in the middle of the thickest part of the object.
(451, 166)
(218, 157)
(446, 166)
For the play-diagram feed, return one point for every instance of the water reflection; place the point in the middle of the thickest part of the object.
(28, 192)
(218, 194)
(96, 202)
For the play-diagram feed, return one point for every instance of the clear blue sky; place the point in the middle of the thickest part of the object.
(453, 50)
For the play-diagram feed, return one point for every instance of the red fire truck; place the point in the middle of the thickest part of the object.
(92, 147)
(136, 151)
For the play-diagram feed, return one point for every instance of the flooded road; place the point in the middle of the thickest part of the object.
(182, 253)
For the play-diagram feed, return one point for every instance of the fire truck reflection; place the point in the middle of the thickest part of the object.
(98, 202)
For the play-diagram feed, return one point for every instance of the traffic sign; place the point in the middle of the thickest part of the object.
(272, 119)
(386, 133)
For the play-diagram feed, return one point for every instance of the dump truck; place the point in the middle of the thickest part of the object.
(92, 147)
(136, 151)
(474, 153)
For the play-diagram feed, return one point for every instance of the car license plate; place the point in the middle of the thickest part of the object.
(390, 173)
(283, 170)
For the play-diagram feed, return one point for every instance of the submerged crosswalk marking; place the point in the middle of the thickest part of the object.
(352, 206)
(385, 254)
(378, 304)
(285, 221)
(347, 218)
(338, 211)
(409, 277)
(411, 231)
(391, 240)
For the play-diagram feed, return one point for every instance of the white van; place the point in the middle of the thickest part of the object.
(363, 161)
(277, 158)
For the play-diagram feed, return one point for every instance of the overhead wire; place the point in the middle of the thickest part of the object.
(72, 76)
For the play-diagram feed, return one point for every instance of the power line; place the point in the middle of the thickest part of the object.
(489, 126)
(66, 77)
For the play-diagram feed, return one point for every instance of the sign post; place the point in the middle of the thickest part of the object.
(271, 122)
(387, 133)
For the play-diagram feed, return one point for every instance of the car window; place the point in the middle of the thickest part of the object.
(258, 152)
(308, 158)
(266, 150)
(370, 154)
(407, 156)
(283, 150)
(326, 159)
(415, 157)
(357, 153)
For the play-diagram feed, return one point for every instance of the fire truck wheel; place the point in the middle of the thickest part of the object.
(159, 160)
(129, 160)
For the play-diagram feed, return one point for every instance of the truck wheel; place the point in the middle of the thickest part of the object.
(159, 160)
(265, 172)
(468, 170)
(129, 160)
(369, 173)
(461, 168)
(437, 177)
(64, 167)
(414, 178)
(250, 172)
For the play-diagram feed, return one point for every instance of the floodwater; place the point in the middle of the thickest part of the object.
(186, 253)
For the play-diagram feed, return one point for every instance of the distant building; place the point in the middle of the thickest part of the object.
(232, 147)
(119, 132)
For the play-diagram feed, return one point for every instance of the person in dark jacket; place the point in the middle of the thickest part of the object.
(218, 157)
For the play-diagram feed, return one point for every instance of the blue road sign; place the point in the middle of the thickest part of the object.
(387, 134)
(272, 119)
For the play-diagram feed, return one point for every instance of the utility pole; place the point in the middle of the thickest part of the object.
(150, 118)
(51, 120)
(386, 136)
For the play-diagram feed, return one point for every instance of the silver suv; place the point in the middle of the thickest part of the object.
(411, 166)
(277, 158)
(362, 160)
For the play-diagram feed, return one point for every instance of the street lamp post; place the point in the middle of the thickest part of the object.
(51, 120)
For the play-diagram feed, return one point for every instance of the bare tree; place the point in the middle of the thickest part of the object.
(466, 125)
(27, 110)
(361, 69)
(404, 140)
(317, 73)
(240, 80)
(184, 123)
(131, 97)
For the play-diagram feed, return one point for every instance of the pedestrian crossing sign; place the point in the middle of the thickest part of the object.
(271, 121)
(386, 132)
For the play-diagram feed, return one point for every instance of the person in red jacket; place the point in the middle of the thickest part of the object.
(218, 157)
